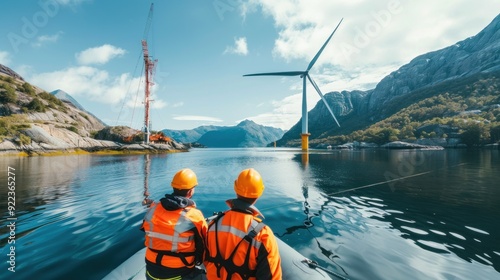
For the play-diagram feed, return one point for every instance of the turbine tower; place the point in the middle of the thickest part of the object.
(305, 75)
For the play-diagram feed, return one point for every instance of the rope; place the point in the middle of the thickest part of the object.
(128, 89)
(136, 96)
(368, 186)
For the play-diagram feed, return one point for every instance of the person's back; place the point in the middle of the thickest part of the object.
(175, 232)
(239, 245)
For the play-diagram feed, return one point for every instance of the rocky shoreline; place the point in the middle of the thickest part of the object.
(400, 145)
(88, 146)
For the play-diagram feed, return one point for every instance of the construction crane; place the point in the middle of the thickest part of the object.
(149, 68)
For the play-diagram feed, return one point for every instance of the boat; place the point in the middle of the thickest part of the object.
(294, 266)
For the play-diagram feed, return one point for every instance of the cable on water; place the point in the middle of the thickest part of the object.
(369, 186)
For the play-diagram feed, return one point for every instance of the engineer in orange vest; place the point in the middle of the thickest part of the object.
(239, 244)
(175, 233)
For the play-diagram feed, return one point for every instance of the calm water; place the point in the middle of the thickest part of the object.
(78, 217)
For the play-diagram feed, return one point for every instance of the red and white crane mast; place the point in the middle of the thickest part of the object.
(149, 68)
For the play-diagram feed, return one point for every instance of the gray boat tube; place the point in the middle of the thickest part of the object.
(293, 265)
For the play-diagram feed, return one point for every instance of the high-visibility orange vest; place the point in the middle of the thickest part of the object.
(170, 235)
(234, 242)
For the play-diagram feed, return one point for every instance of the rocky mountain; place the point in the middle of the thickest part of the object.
(359, 109)
(246, 134)
(66, 97)
(10, 73)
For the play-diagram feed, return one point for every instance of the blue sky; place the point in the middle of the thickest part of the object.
(92, 50)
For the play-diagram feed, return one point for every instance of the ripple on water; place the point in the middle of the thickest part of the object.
(376, 204)
(484, 259)
(82, 229)
(477, 230)
(415, 230)
(435, 247)
(437, 232)
(394, 211)
(371, 198)
(405, 221)
(457, 235)
(457, 246)
(360, 201)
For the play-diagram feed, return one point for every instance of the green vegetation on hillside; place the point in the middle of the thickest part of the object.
(8, 88)
(12, 126)
(27, 88)
(36, 105)
(7, 93)
(470, 112)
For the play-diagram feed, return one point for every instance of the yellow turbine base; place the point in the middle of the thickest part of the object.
(305, 141)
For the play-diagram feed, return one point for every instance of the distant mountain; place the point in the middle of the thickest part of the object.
(190, 135)
(66, 97)
(246, 134)
(357, 110)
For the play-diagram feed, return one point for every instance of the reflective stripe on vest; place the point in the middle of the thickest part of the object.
(183, 224)
(241, 234)
(148, 218)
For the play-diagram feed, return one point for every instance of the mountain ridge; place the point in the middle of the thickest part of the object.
(245, 134)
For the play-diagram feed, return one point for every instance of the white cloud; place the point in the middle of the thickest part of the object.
(157, 103)
(41, 40)
(4, 58)
(240, 47)
(70, 2)
(196, 118)
(373, 33)
(287, 111)
(96, 85)
(99, 55)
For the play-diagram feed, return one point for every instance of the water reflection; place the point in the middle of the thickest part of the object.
(147, 169)
(307, 223)
(32, 182)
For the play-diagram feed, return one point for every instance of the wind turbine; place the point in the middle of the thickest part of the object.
(305, 74)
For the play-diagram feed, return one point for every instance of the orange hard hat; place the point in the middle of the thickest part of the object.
(184, 179)
(249, 184)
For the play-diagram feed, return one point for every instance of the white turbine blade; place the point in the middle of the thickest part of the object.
(322, 47)
(322, 97)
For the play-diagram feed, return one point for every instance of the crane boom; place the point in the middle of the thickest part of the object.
(149, 67)
(148, 22)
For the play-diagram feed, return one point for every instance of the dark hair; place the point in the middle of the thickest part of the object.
(246, 199)
(180, 192)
